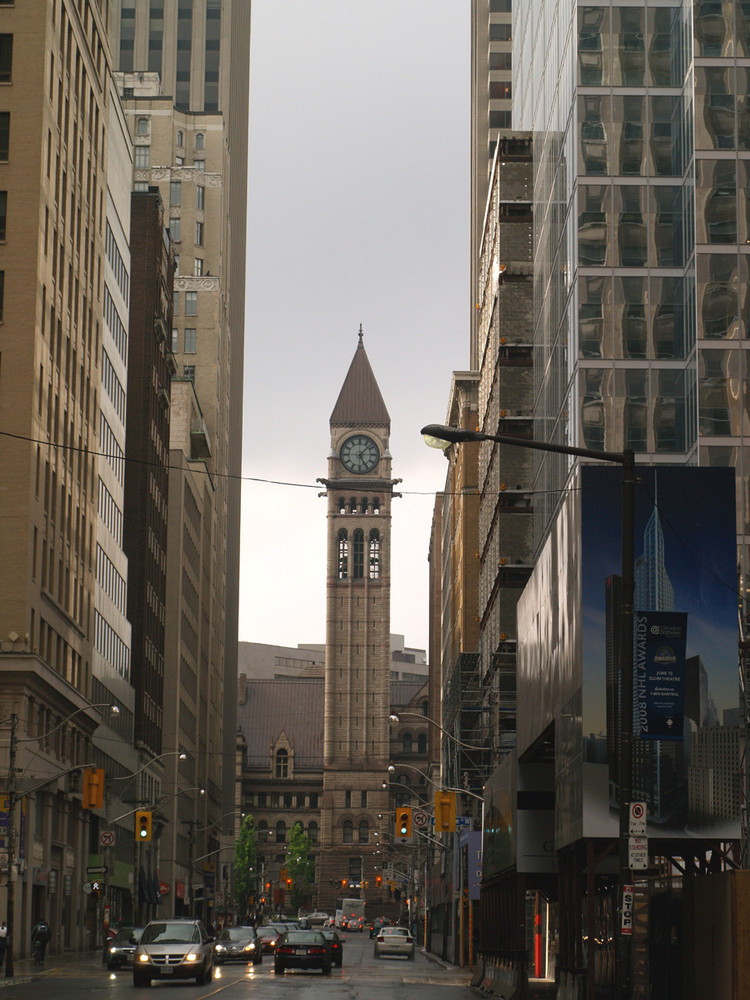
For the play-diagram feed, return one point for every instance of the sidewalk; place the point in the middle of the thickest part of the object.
(24, 969)
(539, 989)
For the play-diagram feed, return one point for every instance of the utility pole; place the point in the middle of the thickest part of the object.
(11, 850)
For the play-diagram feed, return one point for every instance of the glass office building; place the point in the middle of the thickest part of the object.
(639, 114)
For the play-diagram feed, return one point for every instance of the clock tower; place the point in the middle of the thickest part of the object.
(359, 490)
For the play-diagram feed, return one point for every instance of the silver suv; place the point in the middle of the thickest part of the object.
(174, 949)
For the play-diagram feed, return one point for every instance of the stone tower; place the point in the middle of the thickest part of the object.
(359, 490)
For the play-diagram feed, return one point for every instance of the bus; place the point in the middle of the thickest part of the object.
(348, 914)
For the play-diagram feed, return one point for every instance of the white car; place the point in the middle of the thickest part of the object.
(394, 941)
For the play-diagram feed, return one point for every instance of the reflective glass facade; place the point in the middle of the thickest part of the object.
(639, 115)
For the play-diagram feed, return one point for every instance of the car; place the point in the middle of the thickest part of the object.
(302, 950)
(238, 944)
(335, 943)
(268, 934)
(121, 948)
(318, 918)
(394, 941)
(377, 923)
(355, 924)
(174, 949)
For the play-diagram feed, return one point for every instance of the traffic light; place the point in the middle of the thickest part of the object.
(97, 887)
(143, 825)
(403, 822)
(379, 881)
(93, 788)
(445, 812)
(289, 883)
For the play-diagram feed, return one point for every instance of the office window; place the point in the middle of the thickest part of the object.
(199, 144)
(3, 212)
(175, 339)
(175, 193)
(200, 197)
(190, 346)
(176, 263)
(501, 60)
(142, 157)
(347, 799)
(199, 234)
(4, 135)
(2, 295)
(191, 303)
(6, 58)
(141, 186)
(199, 164)
(348, 832)
(175, 228)
(500, 32)
(198, 266)
(179, 161)
(188, 371)
(179, 137)
(142, 127)
(176, 303)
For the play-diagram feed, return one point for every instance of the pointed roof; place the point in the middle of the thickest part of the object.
(360, 402)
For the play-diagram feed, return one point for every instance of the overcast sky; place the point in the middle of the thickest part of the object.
(358, 213)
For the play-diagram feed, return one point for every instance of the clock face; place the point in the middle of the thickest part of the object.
(359, 454)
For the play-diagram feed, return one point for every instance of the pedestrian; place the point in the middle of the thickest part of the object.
(40, 936)
(3, 940)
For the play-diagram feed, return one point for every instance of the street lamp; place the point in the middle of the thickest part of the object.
(461, 791)
(394, 719)
(180, 754)
(14, 741)
(442, 436)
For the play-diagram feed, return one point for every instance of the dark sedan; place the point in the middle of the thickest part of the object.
(335, 943)
(268, 935)
(302, 950)
(238, 944)
(121, 948)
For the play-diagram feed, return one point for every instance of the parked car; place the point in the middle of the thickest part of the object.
(302, 950)
(377, 923)
(268, 935)
(121, 947)
(238, 944)
(394, 941)
(335, 943)
(174, 949)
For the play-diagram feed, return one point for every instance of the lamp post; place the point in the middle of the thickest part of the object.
(441, 436)
(460, 791)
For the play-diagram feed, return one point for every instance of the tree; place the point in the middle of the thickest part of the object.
(299, 865)
(244, 863)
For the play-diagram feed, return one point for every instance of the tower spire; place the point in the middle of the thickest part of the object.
(361, 336)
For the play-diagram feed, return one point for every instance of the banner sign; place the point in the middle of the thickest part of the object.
(660, 643)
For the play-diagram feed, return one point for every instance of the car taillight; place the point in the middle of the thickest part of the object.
(317, 950)
(381, 939)
(285, 949)
(410, 940)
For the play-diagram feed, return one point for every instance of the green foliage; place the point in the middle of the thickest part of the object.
(244, 863)
(300, 867)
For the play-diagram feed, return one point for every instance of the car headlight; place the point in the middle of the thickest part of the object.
(220, 947)
(143, 957)
(191, 957)
(249, 947)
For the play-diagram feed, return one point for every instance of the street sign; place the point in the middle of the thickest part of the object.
(87, 887)
(463, 821)
(107, 838)
(97, 870)
(386, 866)
(626, 925)
(419, 818)
(637, 826)
(638, 852)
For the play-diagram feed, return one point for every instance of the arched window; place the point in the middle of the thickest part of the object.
(406, 742)
(364, 505)
(142, 126)
(179, 138)
(312, 832)
(359, 554)
(374, 554)
(352, 505)
(281, 832)
(375, 505)
(199, 143)
(343, 554)
(425, 707)
(364, 831)
(422, 743)
(341, 505)
(262, 832)
(404, 779)
(348, 831)
(282, 763)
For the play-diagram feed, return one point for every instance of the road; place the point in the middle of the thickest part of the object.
(361, 978)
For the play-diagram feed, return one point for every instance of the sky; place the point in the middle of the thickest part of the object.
(358, 213)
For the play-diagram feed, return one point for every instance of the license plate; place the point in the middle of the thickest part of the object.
(300, 951)
(166, 970)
